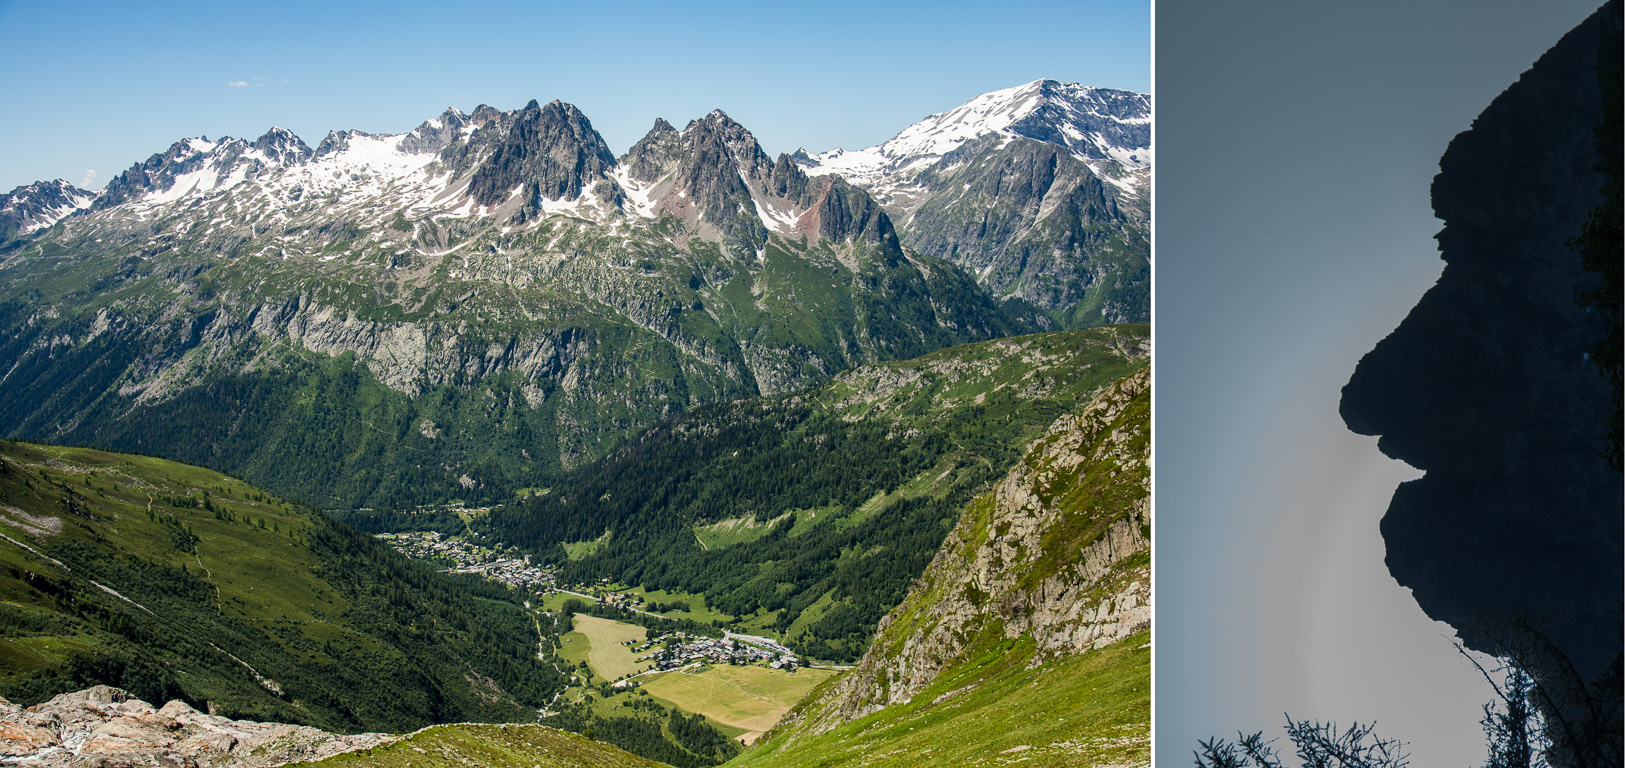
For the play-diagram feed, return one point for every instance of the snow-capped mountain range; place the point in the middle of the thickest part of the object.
(1108, 130)
(513, 254)
(369, 175)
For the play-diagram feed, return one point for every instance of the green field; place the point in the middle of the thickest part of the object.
(488, 746)
(1088, 710)
(604, 653)
(749, 698)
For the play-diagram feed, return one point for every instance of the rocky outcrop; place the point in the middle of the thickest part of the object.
(105, 727)
(434, 135)
(842, 213)
(1490, 384)
(1053, 553)
(550, 151)
(655, 155)
(281, 147)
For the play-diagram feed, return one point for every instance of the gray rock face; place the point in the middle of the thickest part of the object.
(282, 147)
(1489, 385)
(1035, 557)
(655, 155)
(719, 157)
(551, 151)
(434, 135)
(106, 728)
(840, 212)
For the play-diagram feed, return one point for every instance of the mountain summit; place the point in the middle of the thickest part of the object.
(1041, 191)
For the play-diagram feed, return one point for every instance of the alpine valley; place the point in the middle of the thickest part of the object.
(543, 456)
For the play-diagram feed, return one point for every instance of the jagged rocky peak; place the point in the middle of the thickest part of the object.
(741, 143)
(435, 134)
(484, 115)
(840, 212)
(654, 155)
(281, 146)
(337, 141)
(1092, 123)
(33, 207)
(787, 180)
(160, 170)
(551, 151)
(707, 180)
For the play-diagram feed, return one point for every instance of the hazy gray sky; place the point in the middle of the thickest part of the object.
(1295, 145)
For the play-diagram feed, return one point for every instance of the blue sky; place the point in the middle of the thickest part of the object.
(101, 85)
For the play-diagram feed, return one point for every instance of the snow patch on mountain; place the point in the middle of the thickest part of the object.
(39, 205)
(1107, 129)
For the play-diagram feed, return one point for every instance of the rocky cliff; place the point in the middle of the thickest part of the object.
(1492, 385)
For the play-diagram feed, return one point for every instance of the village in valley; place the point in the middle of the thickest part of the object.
(742, 682)
(661, 650)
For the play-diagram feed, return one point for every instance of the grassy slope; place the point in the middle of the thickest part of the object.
(987, 706)
(487, 746)
(341, 632)
(1085, 710)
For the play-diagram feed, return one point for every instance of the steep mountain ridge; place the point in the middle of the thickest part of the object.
(1111, 129)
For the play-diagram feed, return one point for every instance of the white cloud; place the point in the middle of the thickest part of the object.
(90, 178)
(237, 83)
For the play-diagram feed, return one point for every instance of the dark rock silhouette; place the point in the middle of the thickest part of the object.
(1490, 384)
